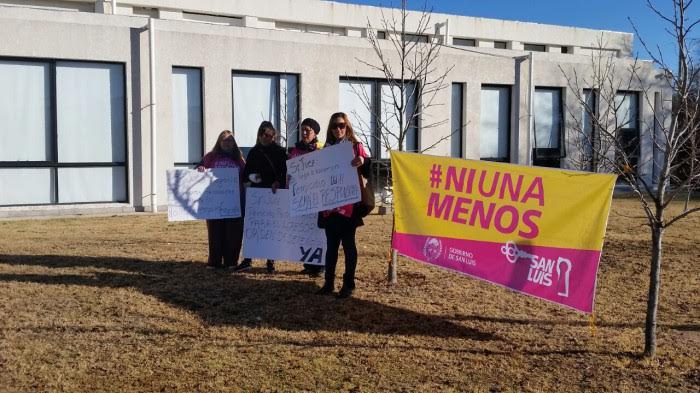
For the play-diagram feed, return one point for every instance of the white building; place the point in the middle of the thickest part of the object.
(75, 90)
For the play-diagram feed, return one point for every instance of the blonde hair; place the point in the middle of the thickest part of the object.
(349, 132)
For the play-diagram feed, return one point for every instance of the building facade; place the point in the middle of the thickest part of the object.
(99, 98)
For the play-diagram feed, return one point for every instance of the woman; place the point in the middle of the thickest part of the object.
(225, 235)
(341, 223)
(266, 167)
(309, 143)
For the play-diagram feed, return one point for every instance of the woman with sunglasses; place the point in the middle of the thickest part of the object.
(266, 167)
(340, 224)
(225, 235)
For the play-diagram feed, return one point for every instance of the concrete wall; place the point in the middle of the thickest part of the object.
(320, 60)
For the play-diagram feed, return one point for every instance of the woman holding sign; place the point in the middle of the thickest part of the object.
(266, 167)
(308, 143)
(340, 224)
(225, 235)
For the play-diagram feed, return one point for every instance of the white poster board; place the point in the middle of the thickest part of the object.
(211, 194)
(271, 233)
(323, 180)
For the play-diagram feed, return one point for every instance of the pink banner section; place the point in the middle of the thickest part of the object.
(559, 275)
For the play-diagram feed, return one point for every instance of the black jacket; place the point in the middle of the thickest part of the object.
(270, 162)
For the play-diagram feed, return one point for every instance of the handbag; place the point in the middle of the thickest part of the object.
(367, 202)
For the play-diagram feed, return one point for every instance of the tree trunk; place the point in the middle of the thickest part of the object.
(391, 275)
(653, 300)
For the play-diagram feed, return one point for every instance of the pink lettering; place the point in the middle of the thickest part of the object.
(535, 191)
(459, 209)
(500, 219)
(437, 209)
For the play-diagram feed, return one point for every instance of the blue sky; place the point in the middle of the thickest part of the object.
(596, 14)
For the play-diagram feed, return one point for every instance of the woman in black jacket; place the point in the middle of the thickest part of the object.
(266, 167)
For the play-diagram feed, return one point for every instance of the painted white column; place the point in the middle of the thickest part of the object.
(154, 134)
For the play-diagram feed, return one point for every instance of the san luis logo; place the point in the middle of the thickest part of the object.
(541, 268)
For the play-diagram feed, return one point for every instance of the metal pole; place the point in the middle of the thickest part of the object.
(114, 7)
(154, 139)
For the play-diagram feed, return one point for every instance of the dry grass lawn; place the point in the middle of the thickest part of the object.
(124, 303)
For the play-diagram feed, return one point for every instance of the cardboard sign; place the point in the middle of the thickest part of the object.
(538, 231)
(323, 180)
(270, 232)
(194, 195)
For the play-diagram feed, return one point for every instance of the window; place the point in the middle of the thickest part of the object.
(627, 125)
(500, 45)
(63, 138)
(416, 38)
(534, 48)
(260, 96)
(369, 104)
(548, 143)
(457, 120)
(463, 41)
(589, 112)
(381, 35)
(187, 116)
(564, 49)
(494, 129)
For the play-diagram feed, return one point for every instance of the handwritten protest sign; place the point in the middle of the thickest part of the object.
(323, 180)
(194, 195)
(271, 233)
(538, 231)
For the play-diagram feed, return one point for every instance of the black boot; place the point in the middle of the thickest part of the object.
(345, 292)
(326, 289)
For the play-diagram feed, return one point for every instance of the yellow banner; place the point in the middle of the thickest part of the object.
(497, 202)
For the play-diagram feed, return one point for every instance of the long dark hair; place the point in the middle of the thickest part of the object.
(235, 153)
(266, 125)
(349, 132)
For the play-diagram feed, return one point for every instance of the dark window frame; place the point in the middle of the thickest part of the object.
(201, 114)
(418, 38)
(460, 132)
(592, 113)
(375, 151)
(52, 163)
(624, 132)
(468, 42)
(278, 123)
(550, 157)
(528, 47)
(509, 88)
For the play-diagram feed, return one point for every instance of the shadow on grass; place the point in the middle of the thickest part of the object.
(549, 322)
(220, 298)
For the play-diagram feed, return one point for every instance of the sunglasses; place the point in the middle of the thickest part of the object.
(339, 125)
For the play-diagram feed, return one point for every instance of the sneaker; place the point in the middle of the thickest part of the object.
(344, 293)
(245, 265)
(270, 267)
(325, 290)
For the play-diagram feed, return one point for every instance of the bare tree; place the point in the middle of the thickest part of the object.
(411, 82)
(673, 135)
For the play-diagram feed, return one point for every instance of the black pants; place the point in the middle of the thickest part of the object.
(340, 230)
(225, 238)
